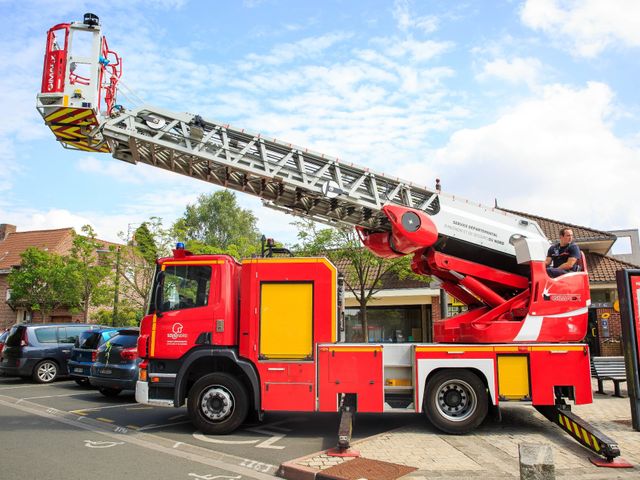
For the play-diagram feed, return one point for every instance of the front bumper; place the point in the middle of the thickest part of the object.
(119, 383)
(142, 396)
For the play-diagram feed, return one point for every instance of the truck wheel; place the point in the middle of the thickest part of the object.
(455, 401)
(45, 372)
(218, 404)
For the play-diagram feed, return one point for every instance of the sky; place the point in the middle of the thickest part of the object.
(531, 103)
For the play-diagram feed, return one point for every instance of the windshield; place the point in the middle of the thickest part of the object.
(127, 340)
(183, 286)
(88, 340)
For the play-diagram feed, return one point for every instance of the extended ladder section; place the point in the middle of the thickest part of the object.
(490, 260)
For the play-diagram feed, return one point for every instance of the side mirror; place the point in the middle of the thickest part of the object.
(157, 295)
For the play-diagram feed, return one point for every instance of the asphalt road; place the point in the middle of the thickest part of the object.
(64, 431)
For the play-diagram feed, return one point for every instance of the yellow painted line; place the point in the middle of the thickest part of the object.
(563, 348)
(105, 420)
(356, 349)
(512, 349)
(133, 427)
(175, 417)
(79, 412)
(153, 335)
(453, 348)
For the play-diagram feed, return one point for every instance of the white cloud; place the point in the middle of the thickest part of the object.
(588, 26)
(554, 155)
(515, 71)
(407, 20)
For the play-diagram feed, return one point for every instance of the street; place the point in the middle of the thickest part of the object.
(71, 431)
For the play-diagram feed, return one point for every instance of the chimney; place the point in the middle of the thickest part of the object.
(6, 229)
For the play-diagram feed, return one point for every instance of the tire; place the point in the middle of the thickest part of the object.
(218, 404)
(83, 382)
(45, 371)
(455, 401)
(109, 392)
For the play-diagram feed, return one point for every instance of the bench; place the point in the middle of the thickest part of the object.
(609, 368)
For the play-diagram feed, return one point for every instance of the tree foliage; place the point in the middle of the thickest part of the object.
(136, 268)
(89, 272)
(44, 282)
(217, 224)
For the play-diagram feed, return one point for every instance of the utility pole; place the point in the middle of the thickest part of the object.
(116, 287)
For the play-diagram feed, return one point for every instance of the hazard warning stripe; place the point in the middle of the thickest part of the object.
(579, 432)
(71, 115)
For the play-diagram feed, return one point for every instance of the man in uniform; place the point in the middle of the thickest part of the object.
(563, 256)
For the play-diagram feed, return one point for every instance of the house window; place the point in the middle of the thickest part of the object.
(386, 324)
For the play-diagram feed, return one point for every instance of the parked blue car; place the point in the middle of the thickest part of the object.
(116, 366)
(85, 352)
(40, 351)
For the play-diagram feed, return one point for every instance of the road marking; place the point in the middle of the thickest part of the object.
(105, 420)
(80, 412)
(175, 417)
(19, 386)
(149, 441)
(55, 396)
(153, 426)
(177, 444)
(140, 408)
(134, 427)
(204, 438)
(214, 477)
(93, 444)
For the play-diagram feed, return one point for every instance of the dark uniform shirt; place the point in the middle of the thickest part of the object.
(560, 255)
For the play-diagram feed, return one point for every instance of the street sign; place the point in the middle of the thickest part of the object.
(629, 294)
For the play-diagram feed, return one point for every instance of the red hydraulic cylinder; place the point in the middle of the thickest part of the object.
(479, 289)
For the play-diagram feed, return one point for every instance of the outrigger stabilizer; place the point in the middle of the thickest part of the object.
(585, 434)
(347, 416)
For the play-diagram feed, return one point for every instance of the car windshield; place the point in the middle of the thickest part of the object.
(127, 340)
(88, 340)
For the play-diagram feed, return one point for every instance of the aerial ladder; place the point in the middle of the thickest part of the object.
(491, 260)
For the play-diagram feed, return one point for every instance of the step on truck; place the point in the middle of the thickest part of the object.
(231, 339)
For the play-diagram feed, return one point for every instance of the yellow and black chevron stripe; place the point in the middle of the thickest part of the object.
(69, 126)
(579, 433)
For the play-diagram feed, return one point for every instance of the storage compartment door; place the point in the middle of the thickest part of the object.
(513, 377)
(286, 320)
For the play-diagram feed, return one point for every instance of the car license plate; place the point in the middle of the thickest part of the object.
(105, 371)
(77, 370)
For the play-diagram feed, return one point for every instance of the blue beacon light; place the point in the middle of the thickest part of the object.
(180, 246)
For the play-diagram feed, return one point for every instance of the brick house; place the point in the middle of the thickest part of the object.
(12, 244)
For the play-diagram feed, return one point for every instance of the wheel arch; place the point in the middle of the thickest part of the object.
(484, 369)
(210, 360)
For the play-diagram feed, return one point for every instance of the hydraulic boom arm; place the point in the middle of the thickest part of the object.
(490, 260)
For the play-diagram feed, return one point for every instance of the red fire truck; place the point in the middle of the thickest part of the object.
(231, 339)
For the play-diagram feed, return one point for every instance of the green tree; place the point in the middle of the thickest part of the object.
(44, 282)
(137, 266)
(363, 271)
(89, 271)
(217, 224)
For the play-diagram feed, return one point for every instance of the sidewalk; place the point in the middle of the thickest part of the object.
(491, 452)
